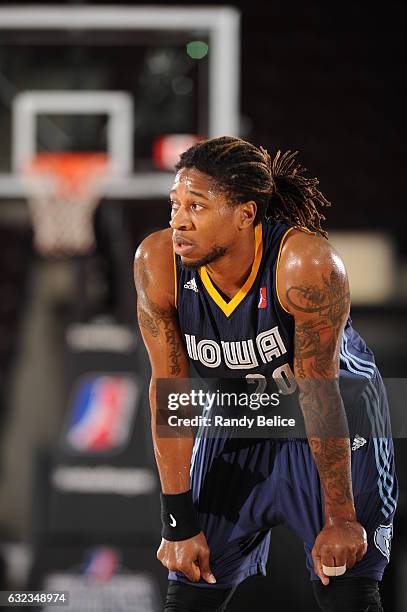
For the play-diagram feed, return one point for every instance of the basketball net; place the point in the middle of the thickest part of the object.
(64, 190)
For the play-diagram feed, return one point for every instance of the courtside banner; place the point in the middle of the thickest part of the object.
(102, 577)
(101, 414)
(103, 461)
(257, 407)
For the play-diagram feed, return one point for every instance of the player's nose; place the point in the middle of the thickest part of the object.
(180, 220)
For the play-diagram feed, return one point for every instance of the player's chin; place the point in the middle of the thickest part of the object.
(196, 257)
(190, 262)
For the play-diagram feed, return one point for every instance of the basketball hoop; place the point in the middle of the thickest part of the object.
(63, 193)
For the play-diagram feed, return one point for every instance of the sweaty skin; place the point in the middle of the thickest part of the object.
(313, 288)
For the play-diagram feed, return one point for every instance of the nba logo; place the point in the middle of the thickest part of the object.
(263, 298)
(101, 415)
(101, 564)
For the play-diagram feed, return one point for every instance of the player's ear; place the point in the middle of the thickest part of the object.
(247, 214)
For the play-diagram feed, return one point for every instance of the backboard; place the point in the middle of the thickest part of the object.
(114, 79)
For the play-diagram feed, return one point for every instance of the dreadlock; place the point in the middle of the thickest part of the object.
(245, 172)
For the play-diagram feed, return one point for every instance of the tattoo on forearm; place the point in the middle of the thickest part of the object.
(322, 407)
(331, 457)
(316, 346)
(328, 436)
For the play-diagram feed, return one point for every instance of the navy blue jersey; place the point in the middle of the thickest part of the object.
(252, 333)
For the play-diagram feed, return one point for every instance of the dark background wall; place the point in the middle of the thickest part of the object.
(327, 78)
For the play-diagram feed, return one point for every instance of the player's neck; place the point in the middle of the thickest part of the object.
(230, 272)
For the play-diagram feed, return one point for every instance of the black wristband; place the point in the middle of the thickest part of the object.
(178, 517)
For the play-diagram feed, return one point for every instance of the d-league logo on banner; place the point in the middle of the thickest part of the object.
(101, 414)
(102, 582)
(101, 563)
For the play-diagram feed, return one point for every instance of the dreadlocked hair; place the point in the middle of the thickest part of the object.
(245, 172)
(296, 198)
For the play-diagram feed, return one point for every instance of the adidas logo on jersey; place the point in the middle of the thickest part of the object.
(191, 285)
(358, 442)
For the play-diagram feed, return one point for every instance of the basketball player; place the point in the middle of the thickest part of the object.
(245, 282)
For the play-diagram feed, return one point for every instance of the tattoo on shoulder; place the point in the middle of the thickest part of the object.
(330, 301)
(141, 280)
(154, 318)
(147, 322)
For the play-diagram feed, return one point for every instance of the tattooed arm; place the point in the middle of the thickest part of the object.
(158, 320)
(314, 289)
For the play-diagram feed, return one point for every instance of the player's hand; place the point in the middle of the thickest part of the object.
(191, 557)
(340, 542)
